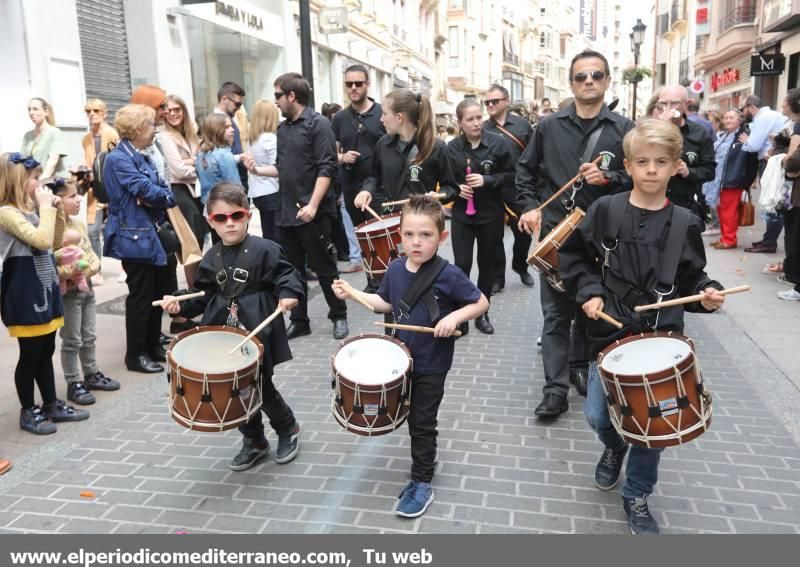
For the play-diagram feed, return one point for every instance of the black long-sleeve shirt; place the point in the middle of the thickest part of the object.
(698, 154)
(306, 151)
(554, 156)
(357, 131)
(637, 260)
(522, 130)
(393, 178)
(492, 160)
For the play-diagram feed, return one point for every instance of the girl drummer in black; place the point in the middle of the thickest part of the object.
(482, 166)
(409, 159)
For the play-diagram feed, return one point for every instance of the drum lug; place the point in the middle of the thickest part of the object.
(358, 409)
(235, 393)
(382, 410)
(205, 398)
(179, 390)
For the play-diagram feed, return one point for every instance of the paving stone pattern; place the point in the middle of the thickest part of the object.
(500, 471)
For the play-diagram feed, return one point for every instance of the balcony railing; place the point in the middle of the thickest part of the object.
(744, 13)
(511, 59)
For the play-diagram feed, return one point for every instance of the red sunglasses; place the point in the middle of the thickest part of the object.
(223, 217)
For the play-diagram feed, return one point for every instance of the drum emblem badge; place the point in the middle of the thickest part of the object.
(486, 166)
(605, 162)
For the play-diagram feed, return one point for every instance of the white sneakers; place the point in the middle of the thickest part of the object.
(789, 295)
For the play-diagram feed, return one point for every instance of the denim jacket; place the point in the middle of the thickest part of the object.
(214, 167)
(137, 199)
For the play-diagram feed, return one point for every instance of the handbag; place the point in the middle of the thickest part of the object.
(747, 212)
(168, 237)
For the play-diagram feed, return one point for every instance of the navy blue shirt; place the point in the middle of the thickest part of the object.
(452, 290)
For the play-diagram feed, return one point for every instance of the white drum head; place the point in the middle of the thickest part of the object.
(645, 356)
(385, 224)
(207, 352)
(371, 361)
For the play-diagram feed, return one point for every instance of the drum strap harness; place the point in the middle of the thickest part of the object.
(627, 293)
(588, 150)
(231, 287)
(421, 289)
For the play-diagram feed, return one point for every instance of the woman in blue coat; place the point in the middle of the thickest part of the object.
(137, 202)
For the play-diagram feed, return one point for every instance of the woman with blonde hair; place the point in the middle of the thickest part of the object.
(45, 142)
(262, 154)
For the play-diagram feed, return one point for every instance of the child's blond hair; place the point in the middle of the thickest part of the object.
(12, 183)
(654, 132)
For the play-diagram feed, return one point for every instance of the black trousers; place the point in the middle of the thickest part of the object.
(357, 215)
(564, 340)
(488, 235)
(146, 283)
(791, 264)
(519, 254)
(35, 365)
(427, 391)
(266, 205)
(281, 417)
(304, 244)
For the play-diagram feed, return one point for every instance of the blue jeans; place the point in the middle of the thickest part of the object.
(641, 474)
(350, 231)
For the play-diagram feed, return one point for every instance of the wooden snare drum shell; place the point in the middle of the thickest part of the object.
(663, 386)
(379, 246)
(220, 387)
(397, 404)
(545, 256)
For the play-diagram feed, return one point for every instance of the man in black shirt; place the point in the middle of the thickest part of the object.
(563, 145)
(698, 163)
(306, 208)
(516, 131)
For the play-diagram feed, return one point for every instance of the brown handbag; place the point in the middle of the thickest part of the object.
(747, 212)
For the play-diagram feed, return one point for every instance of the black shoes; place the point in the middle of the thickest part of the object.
(483, 324)
(158, 354)
(59, 412)
(250, 453)
(288, 446)
(497, 287)
(640, 520)
(552, 405)
(142, 363)
(340, 329)
(579, 377)
(77, 393)
(526, 279)
(99, 381)
(298, 330)
(606, 474)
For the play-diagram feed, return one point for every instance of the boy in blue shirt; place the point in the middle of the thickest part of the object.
(455, 300)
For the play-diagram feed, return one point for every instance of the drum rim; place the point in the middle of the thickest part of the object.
(218, 376)
(350, 383)
(375, 221)
(682, 366)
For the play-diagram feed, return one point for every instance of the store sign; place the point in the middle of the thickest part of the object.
(587, 19)
(333, 20)
(767, 64)
(702, 18)
(238, 15)
(724, 78)
(697, 86)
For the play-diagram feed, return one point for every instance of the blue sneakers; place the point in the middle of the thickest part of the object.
(415, 499)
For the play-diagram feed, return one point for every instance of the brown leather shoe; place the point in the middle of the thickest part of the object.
(723, 246)
(5, 466)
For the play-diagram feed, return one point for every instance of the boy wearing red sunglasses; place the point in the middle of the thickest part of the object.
(245, 278)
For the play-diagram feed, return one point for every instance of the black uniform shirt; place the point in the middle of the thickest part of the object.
(637, 260)
(520, 128)
(357, 131)
(393, 177)
(306, 151)
(554, 156)
(698, 154)
(492, 160)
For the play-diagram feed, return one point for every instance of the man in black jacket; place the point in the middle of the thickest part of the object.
(698, 163)
(564, 144)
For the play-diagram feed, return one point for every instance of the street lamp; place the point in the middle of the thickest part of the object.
(637, 39)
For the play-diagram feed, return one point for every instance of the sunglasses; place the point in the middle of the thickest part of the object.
(93, 111)
(223, 217)
(595, 75)
(176, 110)
(494, 101)
(356, 84)
(279, 95)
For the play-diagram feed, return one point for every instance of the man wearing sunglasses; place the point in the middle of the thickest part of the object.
(563, 145)
(516, 131)
(230, 98)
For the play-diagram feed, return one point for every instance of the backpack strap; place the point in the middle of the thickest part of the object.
(420, 288)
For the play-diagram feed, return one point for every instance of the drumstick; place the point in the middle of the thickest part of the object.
(689, 299)
(609, 319)
(160, 302)
(416, 328)
(373, 213)
(404, 201)
(257, 330)
(357, 295)
(566, 186)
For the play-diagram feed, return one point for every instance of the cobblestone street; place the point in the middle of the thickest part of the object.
(500, 471)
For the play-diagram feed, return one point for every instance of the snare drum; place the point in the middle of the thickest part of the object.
(209, 389)
(371, 384)
(654, 389)
(380, 244)
(545, 256)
